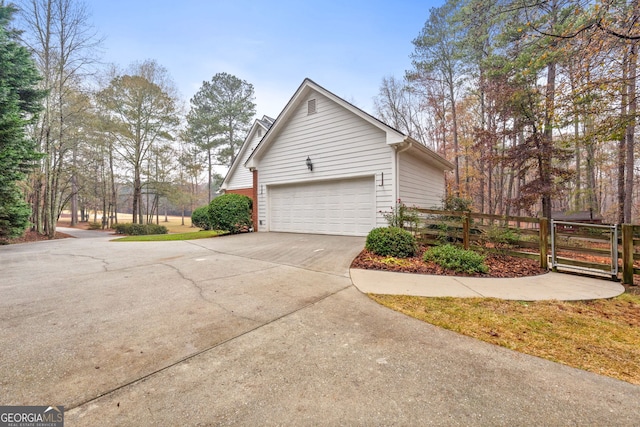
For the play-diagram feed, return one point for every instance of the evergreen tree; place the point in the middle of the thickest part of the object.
(19, 104)
(437, 57)
(220, 117)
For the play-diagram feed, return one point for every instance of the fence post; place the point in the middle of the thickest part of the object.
(627, 254)
(465, 231)
(544, 242)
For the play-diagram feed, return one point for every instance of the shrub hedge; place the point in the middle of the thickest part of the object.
(457, 259)
(391, 241)
(139, 229)
(231, 212)
(200, 218)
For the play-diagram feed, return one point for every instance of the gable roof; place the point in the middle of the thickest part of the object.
(393, 136)
(264, 123)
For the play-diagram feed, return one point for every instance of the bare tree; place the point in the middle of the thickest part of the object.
(140, 108)
(398, 106)
(64, 45)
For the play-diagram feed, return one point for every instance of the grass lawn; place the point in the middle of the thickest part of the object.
(173, 224)
(169, 237)
(601, 336)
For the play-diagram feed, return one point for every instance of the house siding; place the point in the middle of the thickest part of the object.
(420, 184)
(242, 177)
(340, 145)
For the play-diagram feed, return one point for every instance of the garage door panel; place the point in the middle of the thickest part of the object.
(329, 207)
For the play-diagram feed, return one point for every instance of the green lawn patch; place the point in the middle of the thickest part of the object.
(170, 237)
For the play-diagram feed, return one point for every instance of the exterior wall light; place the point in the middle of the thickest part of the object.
(309, 164)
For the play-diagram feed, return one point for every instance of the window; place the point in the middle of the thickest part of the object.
(311, 106)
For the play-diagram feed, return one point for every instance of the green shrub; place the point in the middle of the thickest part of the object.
(445, 232)
(502, 236)
(231, 212)
(454, 258)
(458, 204)
(139, 229)
(95, 226)
(200, 218)
(391, 241)
(402, 216)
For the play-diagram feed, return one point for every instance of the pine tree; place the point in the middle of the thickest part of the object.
(19, 104)
(220, 117)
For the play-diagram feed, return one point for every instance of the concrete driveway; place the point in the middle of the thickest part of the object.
(257, 329)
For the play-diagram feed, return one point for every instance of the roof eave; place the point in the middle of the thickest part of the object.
(243, 148)
(427, 154)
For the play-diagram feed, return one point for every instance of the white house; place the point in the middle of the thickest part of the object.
(325, 166)
(240, 179)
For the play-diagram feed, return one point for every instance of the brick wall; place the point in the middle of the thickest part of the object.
(249, 192)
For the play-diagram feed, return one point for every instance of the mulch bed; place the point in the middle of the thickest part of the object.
(34, 236)
(500, 266)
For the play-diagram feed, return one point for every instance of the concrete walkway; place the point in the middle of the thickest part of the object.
(550, 286)
(79, 233)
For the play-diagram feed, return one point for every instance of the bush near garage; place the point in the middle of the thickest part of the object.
(200, 218)
(456, 259)
(139, 229)
(391, 241)
(231, 212)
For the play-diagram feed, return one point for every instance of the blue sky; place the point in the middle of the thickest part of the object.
(345, 46)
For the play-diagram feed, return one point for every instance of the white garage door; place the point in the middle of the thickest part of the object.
(345, 207)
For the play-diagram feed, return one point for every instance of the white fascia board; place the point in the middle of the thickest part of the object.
(429, 155)
(243, 148)
(393, 137)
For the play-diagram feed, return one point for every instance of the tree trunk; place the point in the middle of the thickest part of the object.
(210, 171)
(630, 131)
(623, 138)
(509, 195)
(136, 197)
(577, 195)
(592, 196)
(454, 119)
(547, 141)
(114, 194)
(483, 121)
(577, 200)
(467, 178)
(74, 190)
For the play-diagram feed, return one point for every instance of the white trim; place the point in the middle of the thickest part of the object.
(313, 180)
(257, 124)
(393, 137)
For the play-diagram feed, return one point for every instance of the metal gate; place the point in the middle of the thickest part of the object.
(612, 230)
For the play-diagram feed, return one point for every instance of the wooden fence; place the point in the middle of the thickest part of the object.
(581, 246)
